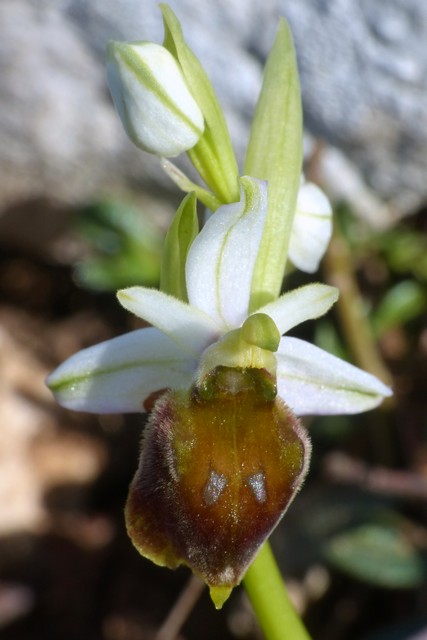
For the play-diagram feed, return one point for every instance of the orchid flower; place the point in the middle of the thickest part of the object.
(224, 453)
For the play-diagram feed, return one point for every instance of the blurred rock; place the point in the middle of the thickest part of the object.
(37, 452)
(16, 601)
(363, 73)
(363, 67)
(56, 124)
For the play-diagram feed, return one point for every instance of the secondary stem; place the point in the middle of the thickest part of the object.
(273, 609)
(359, 336)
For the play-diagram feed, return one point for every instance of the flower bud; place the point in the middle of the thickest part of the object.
(152, 99)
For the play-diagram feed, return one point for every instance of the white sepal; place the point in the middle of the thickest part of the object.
(311, 229)
(221, 259)
(312, 381)
(118, 375)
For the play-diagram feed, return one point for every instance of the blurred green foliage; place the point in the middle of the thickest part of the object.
(364, 536)
(403, 302)
(358, 533)
(401, 253)
(378, 553)
(405, 250)
(124, 247)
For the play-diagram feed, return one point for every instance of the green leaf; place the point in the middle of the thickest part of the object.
(402, 303)
(275, 154)
(405, 250)
(378, 554)
(182, 231)
(213, 156)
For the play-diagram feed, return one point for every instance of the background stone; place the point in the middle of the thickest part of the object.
(363, 71)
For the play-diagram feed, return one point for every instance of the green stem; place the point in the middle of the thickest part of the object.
(273, 609)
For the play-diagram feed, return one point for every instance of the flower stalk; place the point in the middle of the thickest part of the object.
(273, 608)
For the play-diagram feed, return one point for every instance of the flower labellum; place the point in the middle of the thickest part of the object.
(152, 99)
(220, 465)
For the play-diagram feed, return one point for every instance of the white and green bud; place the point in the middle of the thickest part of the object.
(152, 98)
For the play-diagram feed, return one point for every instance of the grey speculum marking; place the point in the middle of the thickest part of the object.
(214, 487)
(256, 482)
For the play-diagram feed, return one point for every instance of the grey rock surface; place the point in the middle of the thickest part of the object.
(54, 118)
(363, 67)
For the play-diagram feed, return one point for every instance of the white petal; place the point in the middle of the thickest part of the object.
(118, 375)
(311, 229)
(187, 326)
(305, 303)
(221, 259)
(312, 381)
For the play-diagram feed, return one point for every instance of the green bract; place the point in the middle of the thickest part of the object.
(150, 94)
(275, 154)
(182, 231)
